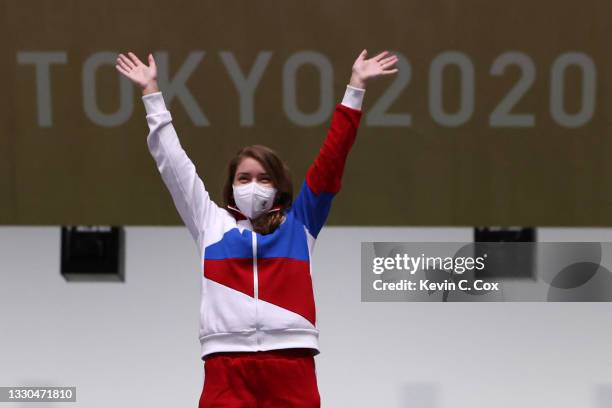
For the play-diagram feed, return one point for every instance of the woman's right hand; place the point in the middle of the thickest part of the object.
(142, 75)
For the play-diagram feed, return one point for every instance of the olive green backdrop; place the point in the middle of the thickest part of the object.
(432, 172)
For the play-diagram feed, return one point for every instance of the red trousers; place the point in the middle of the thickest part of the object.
(263, 379)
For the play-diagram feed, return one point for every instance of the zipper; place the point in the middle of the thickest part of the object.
(255, 284)
(255, 277)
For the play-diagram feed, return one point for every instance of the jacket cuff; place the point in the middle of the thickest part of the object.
(353, 97)
(154, 103)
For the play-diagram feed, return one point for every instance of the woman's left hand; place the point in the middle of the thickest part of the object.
(366, 69)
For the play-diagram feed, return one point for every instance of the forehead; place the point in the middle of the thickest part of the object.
(250, 165)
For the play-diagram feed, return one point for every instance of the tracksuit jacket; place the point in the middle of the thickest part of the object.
(256, 290)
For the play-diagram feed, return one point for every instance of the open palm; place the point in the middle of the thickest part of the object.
(135, 70)
(374, 67)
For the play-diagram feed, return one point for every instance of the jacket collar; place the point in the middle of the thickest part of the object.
(238, 215)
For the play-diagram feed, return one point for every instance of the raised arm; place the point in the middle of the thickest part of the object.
(324, 177)
(190, 197)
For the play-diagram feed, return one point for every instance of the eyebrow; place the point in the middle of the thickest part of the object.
(248, 174)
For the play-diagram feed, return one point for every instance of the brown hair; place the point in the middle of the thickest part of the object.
(280, 175)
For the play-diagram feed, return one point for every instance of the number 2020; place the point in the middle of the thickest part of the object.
(502, 115)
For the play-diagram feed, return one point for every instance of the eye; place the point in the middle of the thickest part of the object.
(265, 179)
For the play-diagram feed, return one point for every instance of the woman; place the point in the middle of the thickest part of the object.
(258, 327)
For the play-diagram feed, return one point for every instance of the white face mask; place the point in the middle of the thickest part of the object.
(253, 199)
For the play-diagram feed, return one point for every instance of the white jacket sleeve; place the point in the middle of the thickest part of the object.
(178, 172)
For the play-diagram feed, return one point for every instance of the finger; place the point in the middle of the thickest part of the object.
(363, 54)
(135, 58)
(380, 56)
(388, 64)
(123, 71)
(151, 61)
(126, 61)
(392, 71)
(123, 65)
(391, 58)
